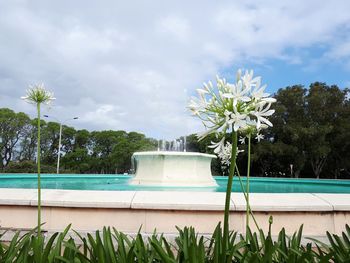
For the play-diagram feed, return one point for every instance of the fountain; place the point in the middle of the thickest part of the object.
(170, 167)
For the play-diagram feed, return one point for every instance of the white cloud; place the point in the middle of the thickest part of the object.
(176, 27)
(339, 51)
(125, 65)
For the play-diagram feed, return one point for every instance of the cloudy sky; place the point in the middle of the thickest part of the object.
(132, 65)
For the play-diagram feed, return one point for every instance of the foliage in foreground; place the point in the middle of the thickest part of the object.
(110, 245)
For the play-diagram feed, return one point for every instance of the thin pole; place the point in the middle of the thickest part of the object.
(59, 149)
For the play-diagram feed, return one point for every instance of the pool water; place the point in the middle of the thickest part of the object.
(120, 183)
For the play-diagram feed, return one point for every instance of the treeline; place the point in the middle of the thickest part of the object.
(82, 151)
(310, 138)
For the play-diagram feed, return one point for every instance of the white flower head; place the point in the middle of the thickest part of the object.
(226, 153)
(242, 140)
(219, 146)
(261, 113)
(259, 137)
(37, 94)
(240, 106)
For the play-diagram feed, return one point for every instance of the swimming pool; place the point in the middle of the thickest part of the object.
(120, 183)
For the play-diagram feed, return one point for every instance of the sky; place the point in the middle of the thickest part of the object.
(133, 65)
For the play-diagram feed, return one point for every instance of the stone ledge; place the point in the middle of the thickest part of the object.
(197, 201)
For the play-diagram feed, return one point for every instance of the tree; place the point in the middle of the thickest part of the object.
(325, 104)
(288, 131)
(28, 142)
(12, 130)
(103, 143)
(339, 157)
(50, 137)
(68, 139)
(309, 125)
(78, 160)
(82, 140)
(126, 146)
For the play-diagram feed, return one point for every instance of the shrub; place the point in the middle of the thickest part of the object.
(30, 167)
(113, 246)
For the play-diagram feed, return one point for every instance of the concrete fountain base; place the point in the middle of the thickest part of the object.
(186, 169)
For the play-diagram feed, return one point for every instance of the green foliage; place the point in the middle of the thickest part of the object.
(30, 167)
(338, 249)
(309, 137)
(109, 245)
(309, 134)
(35, 248)
(82, 151)
(27, 167)
(13, 127)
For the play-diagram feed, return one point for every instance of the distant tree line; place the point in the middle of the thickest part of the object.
(310, 138)
(82, 151)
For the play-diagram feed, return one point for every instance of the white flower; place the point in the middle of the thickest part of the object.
(202, 91)
(37, 94)
(237, 92)
(242, 140)
(237, 119)
(259, 137)
(248, 80)
(195, 106)
(260, 113)
(242, 106)
(202, 135)
(239, 151)
(226, 153)
(219, 146)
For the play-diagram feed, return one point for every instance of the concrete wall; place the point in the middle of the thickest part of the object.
(147, 211)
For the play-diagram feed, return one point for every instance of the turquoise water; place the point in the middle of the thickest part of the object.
(120, 183)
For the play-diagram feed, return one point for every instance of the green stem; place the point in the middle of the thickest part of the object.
(247, 185)
(38, 162)
(228, 193)
(245, 196)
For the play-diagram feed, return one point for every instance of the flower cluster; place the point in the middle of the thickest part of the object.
(38, 94)
(243, 107)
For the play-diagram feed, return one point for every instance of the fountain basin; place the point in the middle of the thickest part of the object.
(190, 169)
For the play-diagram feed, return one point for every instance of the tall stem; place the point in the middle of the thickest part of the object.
(247, 185)
(228, 192)
(245, 197)
(38, 162)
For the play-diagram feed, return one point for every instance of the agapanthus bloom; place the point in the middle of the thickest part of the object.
(243, 106)
(38, 94)
(225, 153)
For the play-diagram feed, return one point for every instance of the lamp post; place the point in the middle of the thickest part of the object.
(59, 138)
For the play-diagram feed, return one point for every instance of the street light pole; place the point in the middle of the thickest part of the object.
(59, 139)
(59, 149)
